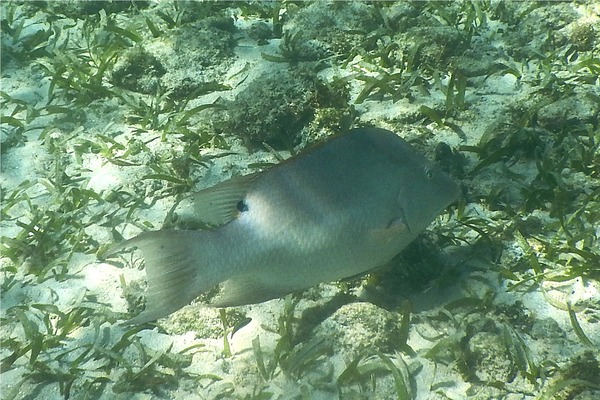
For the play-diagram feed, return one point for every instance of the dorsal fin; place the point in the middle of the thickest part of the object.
(214, 206)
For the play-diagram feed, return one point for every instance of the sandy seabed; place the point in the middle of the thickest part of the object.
(112, 111)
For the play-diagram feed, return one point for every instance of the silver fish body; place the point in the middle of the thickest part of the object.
(340, 209)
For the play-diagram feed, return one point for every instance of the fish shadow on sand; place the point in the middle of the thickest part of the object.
(421, 275)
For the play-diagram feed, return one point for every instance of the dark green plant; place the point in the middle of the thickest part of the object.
(364, 371)
(169, 116)
(24, 47)
(467, 17)
(53, 356)
(78, 71)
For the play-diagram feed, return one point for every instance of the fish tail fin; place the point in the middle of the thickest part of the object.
(172, 271)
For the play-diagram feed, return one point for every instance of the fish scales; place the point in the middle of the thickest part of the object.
(342, 208)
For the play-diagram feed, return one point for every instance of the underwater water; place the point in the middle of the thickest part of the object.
(112, 112)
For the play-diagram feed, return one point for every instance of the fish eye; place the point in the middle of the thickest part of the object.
(242, 206)
(429, 173)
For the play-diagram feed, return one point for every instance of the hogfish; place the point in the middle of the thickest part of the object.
(342, 208)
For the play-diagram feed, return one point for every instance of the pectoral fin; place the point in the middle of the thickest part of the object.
(214, 206)
(395, 229)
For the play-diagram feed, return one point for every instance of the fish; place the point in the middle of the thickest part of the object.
(339, 209)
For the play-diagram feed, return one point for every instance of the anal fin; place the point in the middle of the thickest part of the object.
(242, 290)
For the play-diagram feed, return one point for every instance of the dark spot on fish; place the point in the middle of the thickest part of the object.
(242, 206)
